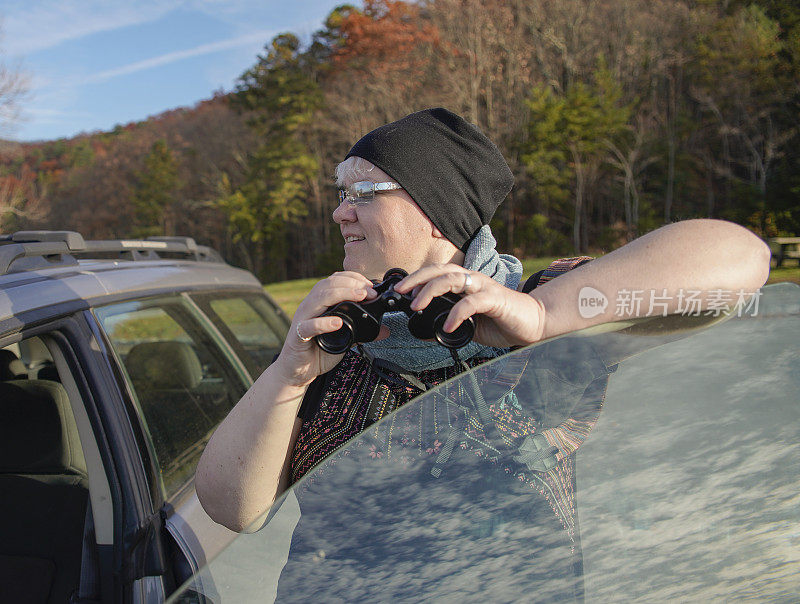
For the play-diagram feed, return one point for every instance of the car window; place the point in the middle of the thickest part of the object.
(253, 326)
(184, 381)
(638, 465)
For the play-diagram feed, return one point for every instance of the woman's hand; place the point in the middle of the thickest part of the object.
(503, 317)
(301, 360)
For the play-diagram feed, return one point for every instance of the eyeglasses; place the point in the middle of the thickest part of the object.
(363, 192)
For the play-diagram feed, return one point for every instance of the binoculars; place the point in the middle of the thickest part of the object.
(361, 321)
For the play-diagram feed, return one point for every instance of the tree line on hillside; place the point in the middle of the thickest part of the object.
(616, 117)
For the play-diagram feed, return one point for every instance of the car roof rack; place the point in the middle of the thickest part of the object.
(29, 250)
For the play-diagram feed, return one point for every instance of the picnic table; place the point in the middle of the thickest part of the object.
(783, 248)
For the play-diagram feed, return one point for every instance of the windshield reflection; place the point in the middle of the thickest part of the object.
(676, 480)
(688, 484)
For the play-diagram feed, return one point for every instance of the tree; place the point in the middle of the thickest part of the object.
(20, 192)
(281, 98)
(698, 116)
(21, 197)
(381, 67)
(156, 191)
(630, 156)
(13, 89)
(783, 190)
(484, 71)
(568, 141)
(743, 90)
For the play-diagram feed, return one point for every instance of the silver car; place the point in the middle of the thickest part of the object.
(649, 460)
(117, 361)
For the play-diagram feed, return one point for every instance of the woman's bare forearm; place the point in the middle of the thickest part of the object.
(246, 463)
(702, 256)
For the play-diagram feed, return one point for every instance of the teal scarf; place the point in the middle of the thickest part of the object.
(403, 349)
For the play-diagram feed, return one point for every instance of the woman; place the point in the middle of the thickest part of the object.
(433, 182)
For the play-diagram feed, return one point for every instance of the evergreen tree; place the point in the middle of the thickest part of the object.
(282, 99)
(568, 142)
(156, 192)
(744, 90)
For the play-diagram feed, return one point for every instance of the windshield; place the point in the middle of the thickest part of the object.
(658, 462)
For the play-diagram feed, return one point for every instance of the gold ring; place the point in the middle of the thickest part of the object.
(302, 339)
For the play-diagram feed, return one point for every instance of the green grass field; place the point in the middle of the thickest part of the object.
(289, 293)
(792, 274)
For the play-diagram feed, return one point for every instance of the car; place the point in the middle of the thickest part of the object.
(117, 360)
(677, 436)
(667, 468)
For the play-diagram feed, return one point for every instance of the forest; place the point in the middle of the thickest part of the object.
(616, 117)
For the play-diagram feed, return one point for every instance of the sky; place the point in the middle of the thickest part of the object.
(95, 64)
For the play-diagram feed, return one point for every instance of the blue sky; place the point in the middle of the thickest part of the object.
(93, 64)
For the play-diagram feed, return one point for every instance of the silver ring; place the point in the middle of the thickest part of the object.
(467, 283)
(302, 339)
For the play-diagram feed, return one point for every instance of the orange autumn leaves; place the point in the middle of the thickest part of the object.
(385, 37)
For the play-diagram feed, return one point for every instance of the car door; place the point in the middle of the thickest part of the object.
(653, 460)
(185, 361)
(62, 355)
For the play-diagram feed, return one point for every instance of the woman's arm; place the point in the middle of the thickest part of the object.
(691, 256)
(246, 464)
(694, 255)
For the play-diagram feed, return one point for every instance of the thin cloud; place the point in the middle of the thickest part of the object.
(46, 114)
(29, 29)
(179, 55)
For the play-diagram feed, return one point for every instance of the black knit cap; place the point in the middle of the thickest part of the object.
(456, 175)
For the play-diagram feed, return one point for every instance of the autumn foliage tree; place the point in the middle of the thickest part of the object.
(381, 65)
(22, 196)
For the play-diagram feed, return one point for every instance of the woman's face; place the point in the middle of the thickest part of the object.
(391, 231)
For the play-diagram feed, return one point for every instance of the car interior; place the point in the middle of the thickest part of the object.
(176, 401)
(43, 477)
(54, 528)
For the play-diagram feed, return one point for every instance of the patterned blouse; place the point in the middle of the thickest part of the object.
(564, 381)
(356, 394)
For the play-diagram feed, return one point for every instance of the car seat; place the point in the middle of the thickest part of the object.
(45, 491)
(11, 368)
(166, 376)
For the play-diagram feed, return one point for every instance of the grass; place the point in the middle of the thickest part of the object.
(785, 273)
(533, 265)
(289, 294)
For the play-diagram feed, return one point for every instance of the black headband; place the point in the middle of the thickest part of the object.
(456, 175)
